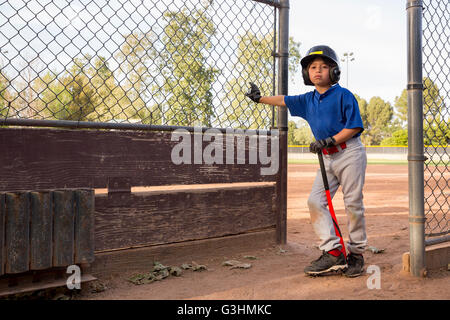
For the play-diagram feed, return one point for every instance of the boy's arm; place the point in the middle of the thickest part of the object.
(255, 94)
(345, 134)
(273, 101)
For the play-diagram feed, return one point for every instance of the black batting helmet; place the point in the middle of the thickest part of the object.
(329, 55)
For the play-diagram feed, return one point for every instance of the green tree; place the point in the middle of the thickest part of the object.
(362, 104)
(254, 63)
(303, 135)
(436, 133)
(376, 115)
(299, 133)
(188, 77)
(294, 65)
(17, 93)
(169, 76)
(291, 127)
(398, 138)
(135, 59)
(86, 92)
(433, 102)
(4, 95)
(107, 93)
(52, 94)
(401, 106)
(79, 98)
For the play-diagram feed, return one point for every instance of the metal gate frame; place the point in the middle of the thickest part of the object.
(416, 156)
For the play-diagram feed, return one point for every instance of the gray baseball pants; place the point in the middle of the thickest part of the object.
(345, 168)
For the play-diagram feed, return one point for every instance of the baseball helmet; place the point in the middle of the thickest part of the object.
(328, 54)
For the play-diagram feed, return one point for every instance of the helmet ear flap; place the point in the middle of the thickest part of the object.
(335, 74)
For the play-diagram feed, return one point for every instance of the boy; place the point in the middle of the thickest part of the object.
(333, 115)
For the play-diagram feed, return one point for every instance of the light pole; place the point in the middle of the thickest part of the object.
(348, 56)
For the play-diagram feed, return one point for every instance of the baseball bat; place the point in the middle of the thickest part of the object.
(330, 204)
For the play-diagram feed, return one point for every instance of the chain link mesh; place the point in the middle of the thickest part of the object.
(436, 70)
(178, 63)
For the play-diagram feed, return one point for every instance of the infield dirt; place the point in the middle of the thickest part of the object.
(277, 271)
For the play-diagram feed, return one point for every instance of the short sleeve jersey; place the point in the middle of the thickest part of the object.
(327, 113)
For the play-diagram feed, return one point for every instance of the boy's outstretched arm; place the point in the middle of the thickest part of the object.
(273, 101)
(255, 94)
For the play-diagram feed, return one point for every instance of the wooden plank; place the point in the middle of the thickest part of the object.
(63, 228)
(118, 262)
(46, 279)
(41, 230)
(2, 234)
(436, 257)
(17, 232)
(158, 218)
(35, 159)
(84, 226)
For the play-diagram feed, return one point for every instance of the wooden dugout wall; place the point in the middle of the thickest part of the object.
(117, 161)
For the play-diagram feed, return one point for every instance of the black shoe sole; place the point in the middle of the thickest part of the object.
(333, 270)
(354, 275)
(326, 274)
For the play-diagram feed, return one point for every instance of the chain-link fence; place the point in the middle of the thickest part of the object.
(169, 63)
(436, 103)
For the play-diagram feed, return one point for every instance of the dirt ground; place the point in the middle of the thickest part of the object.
(277, 272)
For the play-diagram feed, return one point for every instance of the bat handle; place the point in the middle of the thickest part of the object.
(322, 170)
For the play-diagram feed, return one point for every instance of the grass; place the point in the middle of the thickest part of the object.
(302, 161)
(397, 162)
(372, 162)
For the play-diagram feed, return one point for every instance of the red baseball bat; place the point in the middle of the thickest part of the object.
(330, 204)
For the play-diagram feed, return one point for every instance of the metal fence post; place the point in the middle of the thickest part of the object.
(415, 139)
(282, 119)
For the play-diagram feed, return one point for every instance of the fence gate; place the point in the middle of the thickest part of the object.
(428, 122)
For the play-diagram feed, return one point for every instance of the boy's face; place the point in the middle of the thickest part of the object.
(319, 73)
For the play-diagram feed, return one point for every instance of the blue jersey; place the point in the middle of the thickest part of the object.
(327, 113)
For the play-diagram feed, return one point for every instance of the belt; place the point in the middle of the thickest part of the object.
(334, 149)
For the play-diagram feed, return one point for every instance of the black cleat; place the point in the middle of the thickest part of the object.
(326, 263)
(355, 265)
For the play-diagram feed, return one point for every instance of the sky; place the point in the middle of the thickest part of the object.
(374, 30)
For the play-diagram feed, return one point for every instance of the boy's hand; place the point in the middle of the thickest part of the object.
(254, 93)
(318, 145)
